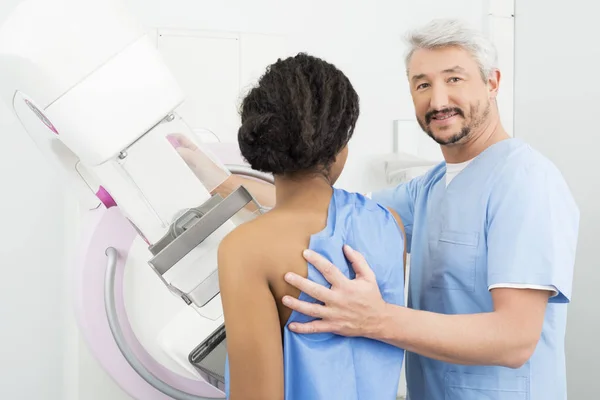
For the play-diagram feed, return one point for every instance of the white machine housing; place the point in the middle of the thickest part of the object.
(100, 88)
(91, 74)
(104, 92)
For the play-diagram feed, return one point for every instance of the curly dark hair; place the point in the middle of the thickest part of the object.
(298, 118)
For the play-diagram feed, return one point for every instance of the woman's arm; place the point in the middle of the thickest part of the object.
(210, 173)
(254, 343)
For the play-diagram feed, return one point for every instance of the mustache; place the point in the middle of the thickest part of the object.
(429, 116)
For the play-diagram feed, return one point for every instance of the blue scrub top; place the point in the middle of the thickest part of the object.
(507, 218)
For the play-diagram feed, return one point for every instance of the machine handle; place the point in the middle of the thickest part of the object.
(117, 333)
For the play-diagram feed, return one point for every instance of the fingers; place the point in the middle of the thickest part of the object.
(325, 267)
(197, 159)
(180, 140)
(359, 264)
(303, 307)
(188, 156)
(312, 289)
(311, 327)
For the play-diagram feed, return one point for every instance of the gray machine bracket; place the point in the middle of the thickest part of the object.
(188, 231)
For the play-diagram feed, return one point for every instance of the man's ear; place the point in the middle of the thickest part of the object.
(494, 83)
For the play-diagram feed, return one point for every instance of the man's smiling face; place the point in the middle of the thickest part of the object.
(451, 98)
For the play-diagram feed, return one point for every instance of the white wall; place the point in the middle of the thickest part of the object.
(556, 110)
(33, 292)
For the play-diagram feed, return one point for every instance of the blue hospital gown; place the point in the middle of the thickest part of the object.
(331, 367)
(507, 218)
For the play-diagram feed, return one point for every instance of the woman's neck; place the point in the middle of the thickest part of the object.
(302, 192)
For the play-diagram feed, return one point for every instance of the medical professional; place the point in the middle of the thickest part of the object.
(491, 232)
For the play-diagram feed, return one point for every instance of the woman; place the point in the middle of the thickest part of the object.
(296, 124)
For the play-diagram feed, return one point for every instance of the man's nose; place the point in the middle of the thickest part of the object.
(439, 98)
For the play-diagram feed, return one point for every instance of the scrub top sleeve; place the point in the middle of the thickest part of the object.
(401, 199)
(532, 230)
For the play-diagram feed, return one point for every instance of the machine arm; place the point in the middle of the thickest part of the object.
(109, 287)
(115, 328)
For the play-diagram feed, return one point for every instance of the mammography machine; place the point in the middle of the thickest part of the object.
(92, 91)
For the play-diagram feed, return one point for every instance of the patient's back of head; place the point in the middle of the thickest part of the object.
(298, 118)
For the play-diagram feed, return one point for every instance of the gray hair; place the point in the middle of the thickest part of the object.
(453, 32)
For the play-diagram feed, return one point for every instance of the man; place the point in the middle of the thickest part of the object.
(492, 235)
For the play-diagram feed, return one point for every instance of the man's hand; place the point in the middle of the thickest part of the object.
(351, 307)
(506, 336)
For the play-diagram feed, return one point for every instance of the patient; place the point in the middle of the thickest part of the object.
(296, 124)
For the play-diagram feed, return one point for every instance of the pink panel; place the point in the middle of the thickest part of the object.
(109, 228)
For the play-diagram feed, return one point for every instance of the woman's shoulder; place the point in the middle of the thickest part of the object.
(244, 239)
(253, 240)
(240, 258)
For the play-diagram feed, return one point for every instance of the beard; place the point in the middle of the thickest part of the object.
(473, 122)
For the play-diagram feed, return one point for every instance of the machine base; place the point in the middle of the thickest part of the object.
(109, 228)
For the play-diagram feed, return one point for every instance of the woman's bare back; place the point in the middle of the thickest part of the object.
(282, 235)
